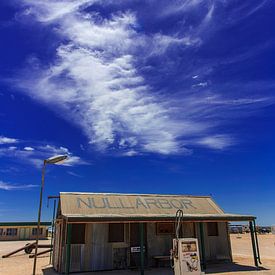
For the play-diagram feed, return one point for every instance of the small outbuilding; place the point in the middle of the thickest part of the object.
(14, 231)
(103, 231)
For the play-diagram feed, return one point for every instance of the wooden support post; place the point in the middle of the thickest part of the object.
(253, 243)
(68, 248)
(203, 262)
(54, 207)
(141, 232)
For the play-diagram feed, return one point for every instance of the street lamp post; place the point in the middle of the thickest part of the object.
(52, 160)
(53, 220)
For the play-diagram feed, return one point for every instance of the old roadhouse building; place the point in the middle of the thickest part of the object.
(96, 231)
(14, 231)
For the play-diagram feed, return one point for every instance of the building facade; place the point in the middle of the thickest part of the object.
(96, 232)
(14, 231)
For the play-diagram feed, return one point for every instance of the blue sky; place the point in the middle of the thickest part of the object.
(145, 96)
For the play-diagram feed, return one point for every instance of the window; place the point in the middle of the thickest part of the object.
(78, 233)
(116, 232)
(165, 228)
(34, 231)
(1, 231)
(11, 232)
(212, 229)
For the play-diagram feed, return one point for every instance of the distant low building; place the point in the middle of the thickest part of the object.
(13, 231)
(263, 229)
(238, 229)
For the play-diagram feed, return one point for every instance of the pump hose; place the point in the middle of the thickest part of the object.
(179, 217)
(174, 251)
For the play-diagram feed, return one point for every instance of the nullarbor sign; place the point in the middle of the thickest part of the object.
(136, 203)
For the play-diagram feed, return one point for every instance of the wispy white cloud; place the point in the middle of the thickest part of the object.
(96, 80)
(8, 186)
(74, 174)
(7, 140)
(96, 84)
(28, 148)
(200, 84)
(219, 142)
(49, 10)
(36, 154)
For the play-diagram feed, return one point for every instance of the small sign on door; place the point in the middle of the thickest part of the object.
(136, 249)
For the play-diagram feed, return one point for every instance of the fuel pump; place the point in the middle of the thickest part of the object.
(185, 256)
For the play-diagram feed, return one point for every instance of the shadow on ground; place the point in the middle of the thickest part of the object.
(211, 269)
(153, 271)
(231, 267)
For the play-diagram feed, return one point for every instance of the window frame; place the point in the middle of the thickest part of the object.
(159, 224)
(212, 229)
(113, 239)
(11, 231)
(76, 238)
(34, 231)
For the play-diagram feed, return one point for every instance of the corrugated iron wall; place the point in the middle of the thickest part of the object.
(217, 248)
(98, 254)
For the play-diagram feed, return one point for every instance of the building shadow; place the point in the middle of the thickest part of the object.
(211, 269)
(231, 267)
(48, 271)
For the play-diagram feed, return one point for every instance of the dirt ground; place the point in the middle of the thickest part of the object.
(20, 264)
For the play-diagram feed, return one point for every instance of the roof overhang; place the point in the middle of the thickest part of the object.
(24, 223)
(191, 218)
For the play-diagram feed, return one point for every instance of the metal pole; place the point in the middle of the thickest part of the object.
(253, 243)
(54, 207)
(39, 216)
(68, 248)
(141, 232)
(202, 245)
(257, 243)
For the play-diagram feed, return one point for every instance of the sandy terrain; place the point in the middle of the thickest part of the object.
(20, 264)
(241, 246)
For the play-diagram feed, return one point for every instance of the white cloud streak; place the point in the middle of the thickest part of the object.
(218, 142)
(36, 154)
(7, 140)
(96, 83)
(9, 187)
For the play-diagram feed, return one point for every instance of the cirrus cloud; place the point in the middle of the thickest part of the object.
(8, 186)
(98, 77)
(7, 140)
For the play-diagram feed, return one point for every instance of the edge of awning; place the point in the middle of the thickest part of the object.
(201, 217)
(24, 223)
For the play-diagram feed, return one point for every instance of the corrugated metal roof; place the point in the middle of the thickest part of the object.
(109, 206)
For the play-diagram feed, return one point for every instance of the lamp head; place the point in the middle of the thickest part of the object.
(56, 159)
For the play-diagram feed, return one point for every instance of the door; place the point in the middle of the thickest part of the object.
(22, 233)
(27, 233)
(135, 245)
